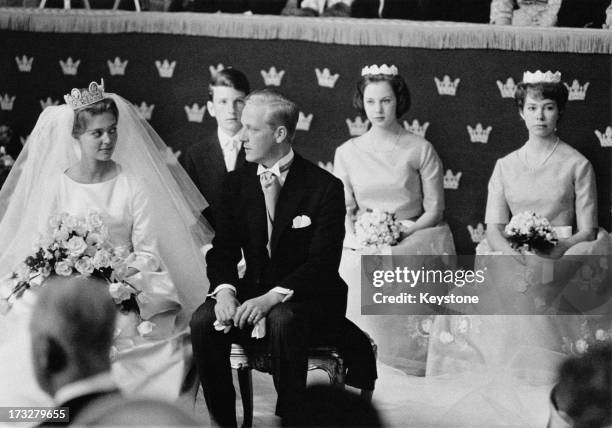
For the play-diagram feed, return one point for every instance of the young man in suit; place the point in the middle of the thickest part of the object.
(72, 332)
(208, 161)
(287, 216)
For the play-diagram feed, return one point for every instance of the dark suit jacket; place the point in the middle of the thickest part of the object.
(80, 405)
(305, 259)
(204, 163)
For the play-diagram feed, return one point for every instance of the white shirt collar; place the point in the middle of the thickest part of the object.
(226, 141)
(280, 164)
(98, 383)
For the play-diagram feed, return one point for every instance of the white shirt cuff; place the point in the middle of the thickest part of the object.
(221, 287)
(282, 290)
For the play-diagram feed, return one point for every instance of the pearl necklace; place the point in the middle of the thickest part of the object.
(543, 161)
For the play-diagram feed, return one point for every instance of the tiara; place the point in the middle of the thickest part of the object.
(383, 69)
(77, 98)
(539, 77)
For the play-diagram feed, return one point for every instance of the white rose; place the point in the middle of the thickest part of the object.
(94, 220)
(94, 238)
(63, 268)
(601, 335)
(71, 222)
(60, 234)
(119, 291)
(581, 346)
(145, 328)
(81, 228)
(102, 259)
(446, 337)
(55, 221)
(84, 266)
(76, 246)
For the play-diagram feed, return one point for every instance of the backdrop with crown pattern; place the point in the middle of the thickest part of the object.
(461, 99)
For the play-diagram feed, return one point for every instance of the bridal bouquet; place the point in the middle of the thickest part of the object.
(529, 231)
(376, 228)
(74, 245)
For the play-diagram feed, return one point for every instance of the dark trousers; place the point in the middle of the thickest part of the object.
(291, 327)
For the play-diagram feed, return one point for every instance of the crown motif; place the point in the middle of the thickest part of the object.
(539, 77)
(6, 102)
(24, 64)
(325, 78)
(70, 67)
(478, 134)
(476, 233)
(272, 77)
(383, 69)
(117, 67)
(214, 70)
(48, 103)
(304, 122)
(165, 68)
(446, 86)
(416, 128)
(327, 166)
(507, 89)
(77, 98)
(577, 92)
(451, 181)
(605, 138)
(170, 156)
(195, 113)
(358, 126)
(145, 111)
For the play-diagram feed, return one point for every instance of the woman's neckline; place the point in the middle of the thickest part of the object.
(521, 154)
(118, 171)
(371, 146)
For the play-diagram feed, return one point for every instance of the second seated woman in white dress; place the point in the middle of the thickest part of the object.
(95, 156)
(392, 170)
(552, 179)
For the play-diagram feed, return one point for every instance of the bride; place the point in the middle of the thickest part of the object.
(95, 155)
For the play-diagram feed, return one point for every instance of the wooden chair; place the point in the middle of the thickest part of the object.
(323, 357)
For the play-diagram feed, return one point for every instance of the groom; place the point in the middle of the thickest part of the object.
(287, 216)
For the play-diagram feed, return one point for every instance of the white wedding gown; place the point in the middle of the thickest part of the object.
(153, 364)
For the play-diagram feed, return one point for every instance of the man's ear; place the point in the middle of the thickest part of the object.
(211, 108)
(281, 135)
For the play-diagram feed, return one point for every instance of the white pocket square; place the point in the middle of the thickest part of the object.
(301, 221)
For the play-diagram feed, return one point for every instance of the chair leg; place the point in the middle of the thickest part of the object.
(245, 381)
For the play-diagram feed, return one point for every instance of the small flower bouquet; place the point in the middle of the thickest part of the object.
(74, 245)
(528, 231)
(376, 228)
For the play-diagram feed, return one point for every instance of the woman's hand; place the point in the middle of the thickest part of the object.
(555, 252)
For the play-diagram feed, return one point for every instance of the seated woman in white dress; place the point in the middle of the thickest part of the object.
(94, 155)
(550, 178)
(393, 170)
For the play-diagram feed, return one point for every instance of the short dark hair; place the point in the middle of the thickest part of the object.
(546, 90)
(586, 384)
(398, 85)
(281, 110)
(82, 115)
(231, 78)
